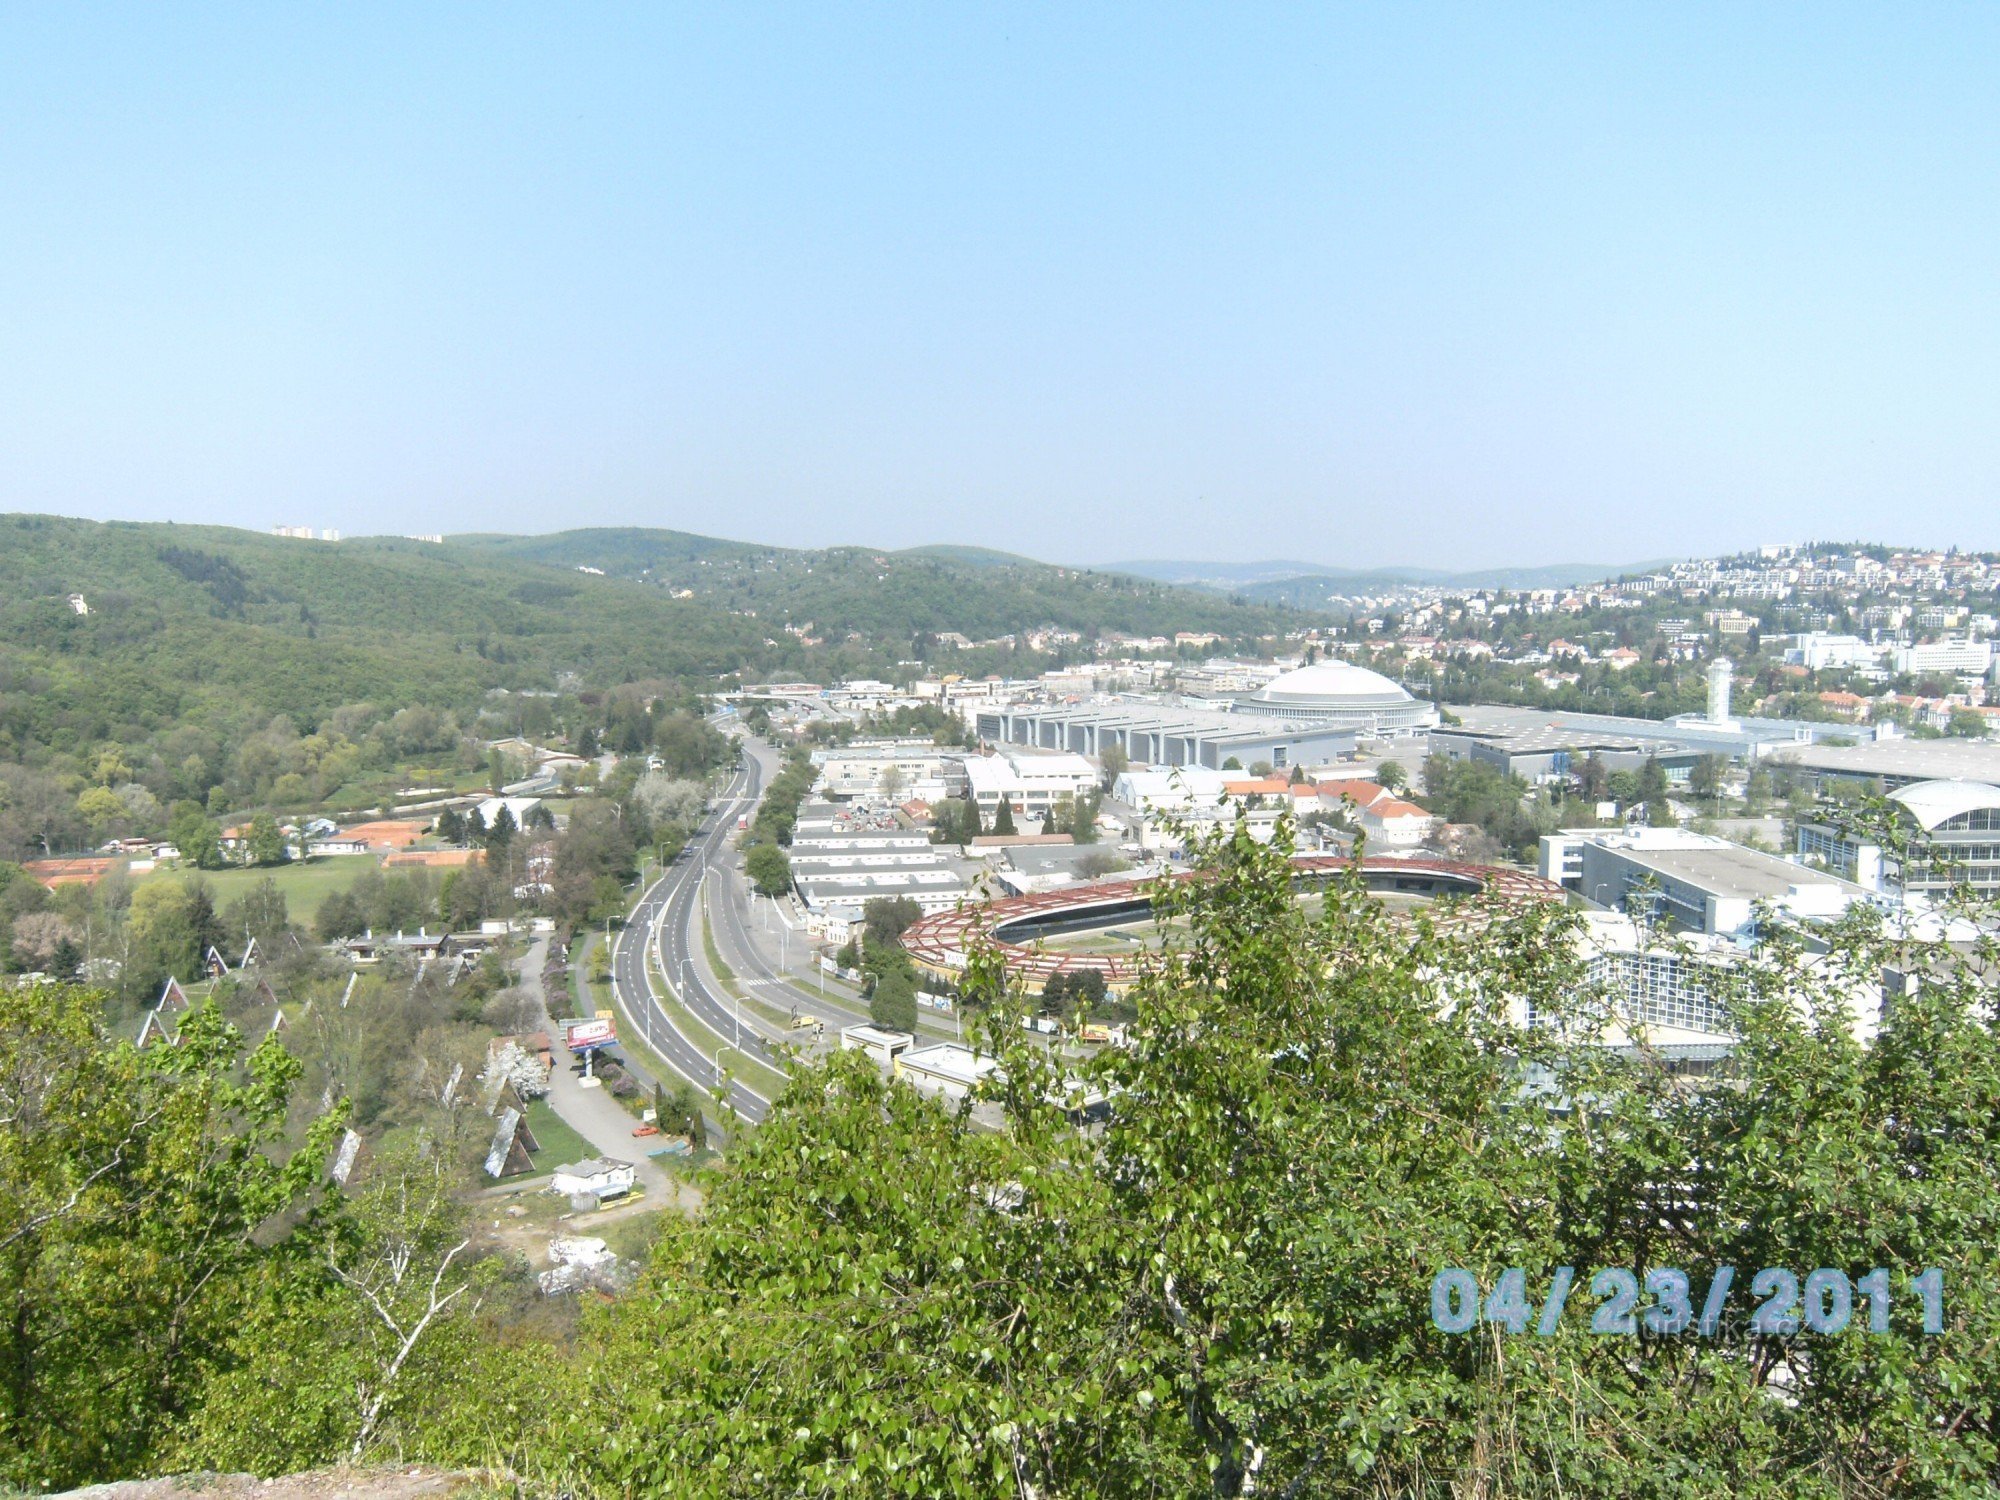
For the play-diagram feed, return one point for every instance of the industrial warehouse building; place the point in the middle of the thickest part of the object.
(840, 863)
(1690, 881)
(1543, 751)
(1687, 736)
(1153, 733)
(1310, 716)
(1896, 761)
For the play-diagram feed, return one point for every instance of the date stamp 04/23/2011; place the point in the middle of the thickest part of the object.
(1782, 1303)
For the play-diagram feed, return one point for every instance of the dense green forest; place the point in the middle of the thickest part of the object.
(207, 627)
(891, 595)
(237, 671)
(1227, 1290)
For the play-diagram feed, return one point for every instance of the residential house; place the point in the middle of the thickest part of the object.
(597, 1177)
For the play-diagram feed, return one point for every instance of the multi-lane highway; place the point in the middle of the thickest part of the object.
(666, 925)
(662, 925)
(733, 913)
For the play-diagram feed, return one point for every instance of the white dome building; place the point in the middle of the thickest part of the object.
(1341, 694)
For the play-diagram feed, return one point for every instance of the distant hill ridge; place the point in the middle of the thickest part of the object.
(1237, 576)
(839, 591)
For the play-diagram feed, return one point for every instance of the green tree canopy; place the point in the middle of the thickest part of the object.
(264, 842)
(1229, 1288)
(894, 1001)
(887, 918)
(1114, 760)
(768, 868)
(1966, 723)
(129, 1215)
(195, 835)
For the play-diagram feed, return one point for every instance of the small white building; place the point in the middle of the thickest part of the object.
(946, 1068)
(517, 807)
(1819, 650)
(601, 1177)
(1175, 790)
(1387, 820)
(882, 1045)
(1392, 823)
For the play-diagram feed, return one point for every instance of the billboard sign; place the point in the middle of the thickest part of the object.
(581, 1036)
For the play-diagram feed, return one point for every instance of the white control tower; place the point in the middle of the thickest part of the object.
(1721, 672)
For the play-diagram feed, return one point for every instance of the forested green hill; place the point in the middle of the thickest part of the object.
(890, 596)
(212, 626)
(239, 670)
(220, 626)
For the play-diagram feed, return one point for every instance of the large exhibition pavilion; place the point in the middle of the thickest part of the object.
(1342, 694)
(1304, 717)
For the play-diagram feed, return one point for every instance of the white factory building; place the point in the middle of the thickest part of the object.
(1032, 783)
(840, 864)
(1967, 658)
(895, 770)
(1959, 845)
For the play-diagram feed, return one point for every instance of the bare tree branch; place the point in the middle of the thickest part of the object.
(398, 1260)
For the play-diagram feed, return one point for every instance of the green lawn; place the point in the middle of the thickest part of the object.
(306, 884)
(560, 1145)
(632, 1237)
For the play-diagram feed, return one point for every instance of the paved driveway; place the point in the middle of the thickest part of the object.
(593, 1113)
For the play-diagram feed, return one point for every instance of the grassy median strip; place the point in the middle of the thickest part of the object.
(771, 1013)
(599, 990)
(760, 1077)
(722, 970)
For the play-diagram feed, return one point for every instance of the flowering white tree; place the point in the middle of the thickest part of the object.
(521, 1068)
(668, 800)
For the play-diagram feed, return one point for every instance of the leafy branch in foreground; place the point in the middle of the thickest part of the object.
(1226, 1290)
(133, 1186)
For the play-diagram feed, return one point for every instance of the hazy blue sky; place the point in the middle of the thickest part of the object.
(1463, 285)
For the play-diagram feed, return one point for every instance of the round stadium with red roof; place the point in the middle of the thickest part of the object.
(1020, 928)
